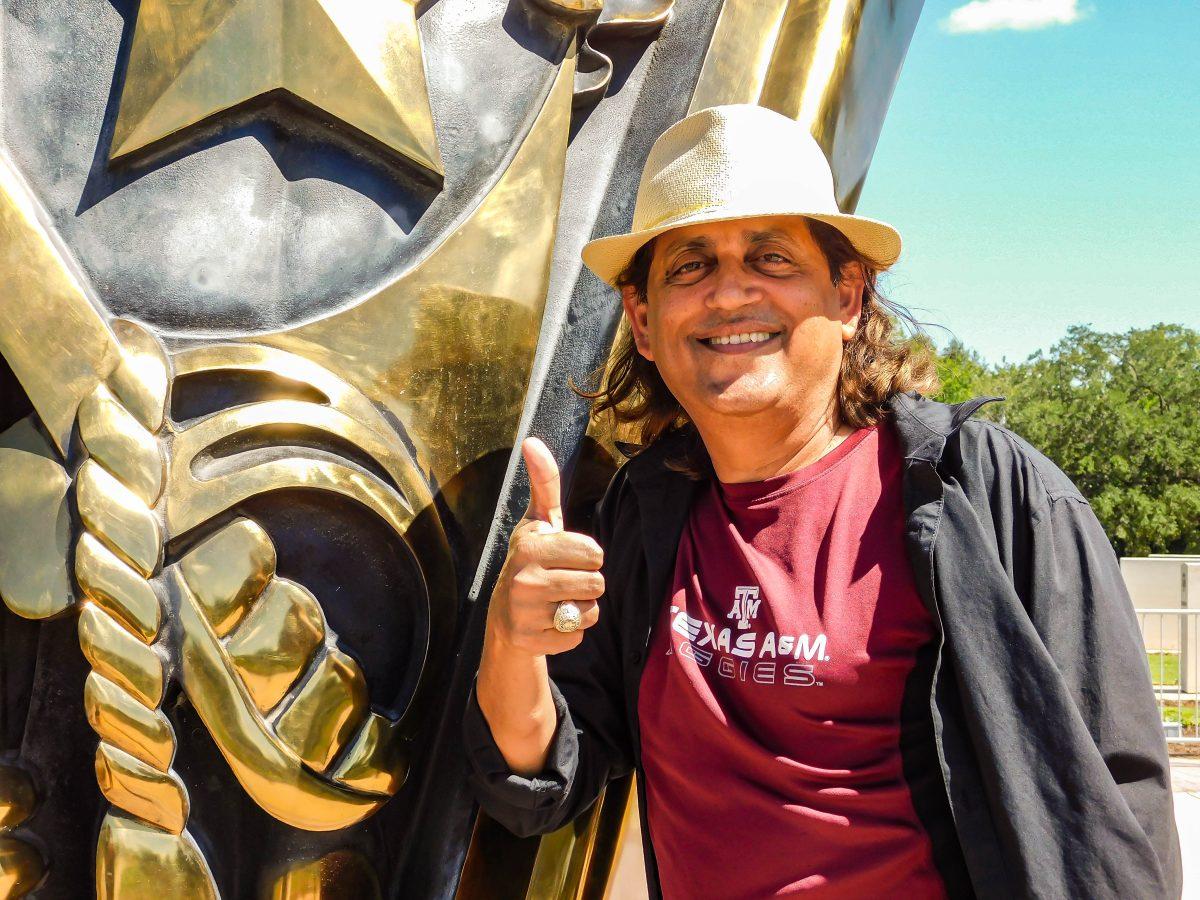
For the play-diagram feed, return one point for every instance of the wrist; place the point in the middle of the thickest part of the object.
(498, 647)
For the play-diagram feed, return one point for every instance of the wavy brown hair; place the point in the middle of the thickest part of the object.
(878, 362)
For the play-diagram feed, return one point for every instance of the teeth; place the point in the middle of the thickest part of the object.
(746, 338)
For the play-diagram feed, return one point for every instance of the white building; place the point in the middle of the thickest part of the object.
(1168, 581)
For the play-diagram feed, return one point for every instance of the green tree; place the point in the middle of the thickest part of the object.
(1120, 414)
(962, 372)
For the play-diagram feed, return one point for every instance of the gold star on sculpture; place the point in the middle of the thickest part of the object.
(358, 60)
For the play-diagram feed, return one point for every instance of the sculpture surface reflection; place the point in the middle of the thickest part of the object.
(358, 62)
(277, 300)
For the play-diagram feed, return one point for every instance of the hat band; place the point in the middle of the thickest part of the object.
(728, 211)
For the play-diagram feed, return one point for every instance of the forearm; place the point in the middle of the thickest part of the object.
(513, 690)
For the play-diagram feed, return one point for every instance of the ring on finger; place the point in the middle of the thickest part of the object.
(567, 617)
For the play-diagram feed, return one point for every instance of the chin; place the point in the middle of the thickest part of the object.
(740, 403)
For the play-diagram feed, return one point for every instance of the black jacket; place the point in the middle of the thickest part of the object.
(1057, 781)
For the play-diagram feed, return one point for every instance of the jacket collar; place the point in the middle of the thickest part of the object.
(924, 426)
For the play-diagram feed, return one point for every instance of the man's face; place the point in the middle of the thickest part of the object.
(743, 317)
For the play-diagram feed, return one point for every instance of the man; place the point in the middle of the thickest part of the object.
(853, 642)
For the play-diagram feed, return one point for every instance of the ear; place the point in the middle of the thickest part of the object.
(637, 312)
(850, 289)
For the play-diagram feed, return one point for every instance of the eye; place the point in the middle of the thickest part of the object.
(773, 257)
(688, 267)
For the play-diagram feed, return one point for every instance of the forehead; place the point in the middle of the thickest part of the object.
(736, 231)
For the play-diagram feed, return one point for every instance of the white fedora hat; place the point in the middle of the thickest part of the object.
(735, 162)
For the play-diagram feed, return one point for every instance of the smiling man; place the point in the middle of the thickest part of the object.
(853, 642)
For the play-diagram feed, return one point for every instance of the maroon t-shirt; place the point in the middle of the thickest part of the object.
(770, 701)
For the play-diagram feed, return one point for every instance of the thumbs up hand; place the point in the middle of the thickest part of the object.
(545, 489)
(545, 566)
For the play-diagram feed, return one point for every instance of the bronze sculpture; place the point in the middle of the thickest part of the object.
(283, 284)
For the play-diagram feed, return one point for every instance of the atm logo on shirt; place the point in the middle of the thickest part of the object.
(733, 655)
(746, 601)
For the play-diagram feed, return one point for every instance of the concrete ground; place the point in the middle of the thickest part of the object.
(1185, 779)
(629, 879)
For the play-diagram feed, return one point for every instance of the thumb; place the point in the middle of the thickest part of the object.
(545, 503)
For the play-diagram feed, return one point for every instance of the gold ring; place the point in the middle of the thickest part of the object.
(567, 617)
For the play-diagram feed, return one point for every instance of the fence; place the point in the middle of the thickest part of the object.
(1172, 639)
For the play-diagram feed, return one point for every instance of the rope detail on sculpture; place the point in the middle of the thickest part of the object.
(118, 555)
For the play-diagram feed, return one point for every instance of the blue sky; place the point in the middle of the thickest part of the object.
(1044, 176)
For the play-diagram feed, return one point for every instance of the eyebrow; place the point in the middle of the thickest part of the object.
(759, 237)
(696, 243)
(703, 243)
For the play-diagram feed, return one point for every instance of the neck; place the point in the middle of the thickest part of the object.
(765, 445)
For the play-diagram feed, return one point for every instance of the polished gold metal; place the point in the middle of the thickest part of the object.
(340, 875)
(356, 60)
(412, 370)
(17, 797)
(787, 55)
(118, 552)
(119, 656)
(51, 332)
(276, 642)
(228, 571)
(121, 721)
(577, 861)
(201, 488)
(573, 7)
(35, 533)
(240, 685)
(561, 864)
(776, 53)
(741, 55)
(414, 346)
(141, 379)
(21, 868)
(323, 716)
(426, 380)
(270, 771)
(139, 861)
(118, 517)
(121, 444)
(238, 358)
(810, 60)
(153, 796)
(116, 588)
(376, 762)
(21, 865)
(25, 436)
(278, 696)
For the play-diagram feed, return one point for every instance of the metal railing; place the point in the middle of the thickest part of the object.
(1172, 640)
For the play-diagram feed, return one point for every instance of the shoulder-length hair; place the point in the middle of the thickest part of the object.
(877, 363)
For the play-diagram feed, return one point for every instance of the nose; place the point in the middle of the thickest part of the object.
(731, 287)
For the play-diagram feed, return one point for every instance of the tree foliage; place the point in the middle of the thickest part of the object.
(1119, 413)
(962, 373)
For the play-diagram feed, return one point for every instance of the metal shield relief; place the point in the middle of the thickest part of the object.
(282, 284)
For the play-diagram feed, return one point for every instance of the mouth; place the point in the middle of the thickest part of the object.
(740, 342)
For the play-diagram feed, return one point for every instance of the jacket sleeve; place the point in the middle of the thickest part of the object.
(591, 742)
(1080, 605)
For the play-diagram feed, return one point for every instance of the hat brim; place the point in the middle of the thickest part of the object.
(609, 256)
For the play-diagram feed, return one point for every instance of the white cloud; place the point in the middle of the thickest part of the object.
(1022, 15)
